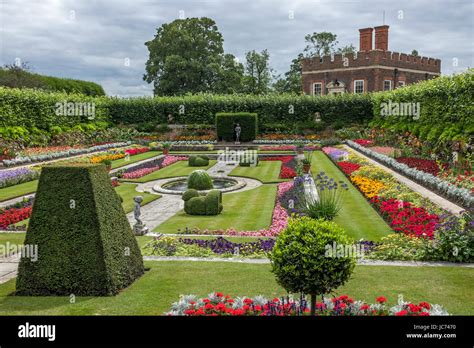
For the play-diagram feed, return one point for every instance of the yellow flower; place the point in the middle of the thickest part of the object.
(370, 188)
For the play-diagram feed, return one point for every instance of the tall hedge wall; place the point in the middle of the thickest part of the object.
(270, 108)
(248, 122)
(34, 108)
(446, 108)
(85, 244)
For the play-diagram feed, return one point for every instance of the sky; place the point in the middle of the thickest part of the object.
(103, 41)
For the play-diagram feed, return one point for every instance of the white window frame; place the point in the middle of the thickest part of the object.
(401, 84)
(318, 83)
(355, 85)
(390, 85)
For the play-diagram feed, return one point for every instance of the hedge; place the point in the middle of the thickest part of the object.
(85, 244)
(446, 108)
(33, 108)
(226, 121)
(209, 204)
(273, 108)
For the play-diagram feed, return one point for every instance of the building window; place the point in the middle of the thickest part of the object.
(387, 85)
(401, 83)
(318, 88)
(359, 86)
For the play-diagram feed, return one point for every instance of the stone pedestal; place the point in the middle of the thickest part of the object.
(140, 229)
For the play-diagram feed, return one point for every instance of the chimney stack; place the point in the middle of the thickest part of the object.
(365, 43)
(381, 37)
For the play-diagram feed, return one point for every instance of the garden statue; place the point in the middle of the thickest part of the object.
(139, 228)
(238, 130)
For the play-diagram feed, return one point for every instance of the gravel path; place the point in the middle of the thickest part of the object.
(433, 197)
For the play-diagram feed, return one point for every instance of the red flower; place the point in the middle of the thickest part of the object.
(381, 299)
(401, 313)
(348, 167)
(425, 305)
(219, 294)
(364, 307)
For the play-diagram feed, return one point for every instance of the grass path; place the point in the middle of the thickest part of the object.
(357, 216)
(133, 159)
(18, 190)
(179, 168)
(245, 211)
(448, 286)
(266, 172)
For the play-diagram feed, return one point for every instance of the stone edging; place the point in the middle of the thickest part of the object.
(240, 184)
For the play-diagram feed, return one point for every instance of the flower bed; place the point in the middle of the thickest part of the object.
(17, 176)
(216, 304)
(136, 151)
(148, 167)
(363, 142)
(370, 188)
(61, 154)
(457, 194)
(347, 167)
(385, 150)
(427, 166)
(13, 215)
(335, 153)
(287, 167)
(106, 157)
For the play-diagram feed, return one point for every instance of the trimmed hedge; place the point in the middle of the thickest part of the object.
(198, 160)
(446, 108)
(195, 204)
(85, 244)
(36, 109)
(273, 108)
(226, 121)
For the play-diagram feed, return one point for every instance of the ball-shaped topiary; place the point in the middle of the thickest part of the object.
(200, 180)
(302, 258)
(198, 161)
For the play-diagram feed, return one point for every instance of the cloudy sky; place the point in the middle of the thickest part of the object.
(103, 41)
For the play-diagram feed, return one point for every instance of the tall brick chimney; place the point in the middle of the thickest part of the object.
(381, 37)
(365, 43)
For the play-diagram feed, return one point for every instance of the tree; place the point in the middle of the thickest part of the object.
(348, 49)
(187, 56)
(258, 74)
(303, 260)
(320, 44)
(414, 53)
(291, 83)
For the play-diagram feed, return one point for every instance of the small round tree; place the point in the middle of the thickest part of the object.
(200, 180)
(303, 260)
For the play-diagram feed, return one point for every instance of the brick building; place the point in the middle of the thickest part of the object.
(369, 70)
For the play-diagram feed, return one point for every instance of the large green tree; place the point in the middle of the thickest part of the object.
(187, 56)
(258, 74)
(291, 83)
(320, 44)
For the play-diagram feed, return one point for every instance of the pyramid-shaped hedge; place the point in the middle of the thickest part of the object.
(85, 243)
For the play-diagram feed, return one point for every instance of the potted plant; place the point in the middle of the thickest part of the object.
(166, 148)
(308, 155)
(108, 164)
(299, 147)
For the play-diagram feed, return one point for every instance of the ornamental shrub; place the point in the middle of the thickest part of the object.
(85, 243)
(195, 204)
(200, 180)
(225, 124)
(198, 160)
(302, 261)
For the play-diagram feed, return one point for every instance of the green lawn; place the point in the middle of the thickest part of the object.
(154, 292)
(133, 159)
(266, 172)
(18, 190)
(11, 238)
(245, 211)
(179, 168)
(357, 216)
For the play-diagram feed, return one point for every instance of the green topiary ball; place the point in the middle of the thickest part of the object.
(200, 180)
(188, 194)
(302, 258)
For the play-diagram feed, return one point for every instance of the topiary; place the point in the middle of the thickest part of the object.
(188, 194)
(213, 202)
(198, 161)
(86, 245)
(196, 206)
(302, 260)
(200, 180)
